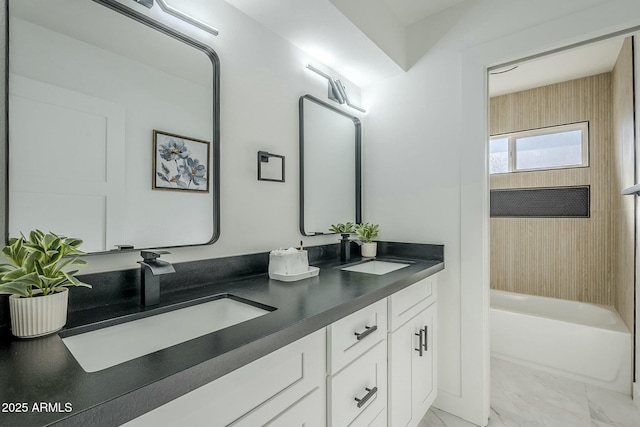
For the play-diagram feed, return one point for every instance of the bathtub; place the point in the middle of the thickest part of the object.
(585, 342)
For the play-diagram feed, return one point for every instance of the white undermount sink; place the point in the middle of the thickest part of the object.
(110, 346)
(376, 267)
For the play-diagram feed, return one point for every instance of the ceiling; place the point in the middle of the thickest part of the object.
(411, 11)
(588, 60)
(320, 28)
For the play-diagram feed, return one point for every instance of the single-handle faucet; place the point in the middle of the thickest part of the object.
(345, 246)
(151, 268)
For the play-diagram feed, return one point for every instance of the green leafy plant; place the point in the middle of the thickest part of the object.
(367, 232)
(37, 263)
(342, 228)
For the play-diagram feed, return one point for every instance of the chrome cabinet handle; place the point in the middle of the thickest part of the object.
(368, 330)
(426, 332)
(369, 395)
(421, 345)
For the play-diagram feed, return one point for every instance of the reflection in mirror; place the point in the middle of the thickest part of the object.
(329, 167)
(87, 87)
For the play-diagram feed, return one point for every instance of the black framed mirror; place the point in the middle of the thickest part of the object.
(87, 84)
(330, 166)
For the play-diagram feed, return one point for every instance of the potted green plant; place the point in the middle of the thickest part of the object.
(346, 228)
(37, 282)
(367, 233)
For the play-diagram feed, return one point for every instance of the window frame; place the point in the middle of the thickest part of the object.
(513, 136)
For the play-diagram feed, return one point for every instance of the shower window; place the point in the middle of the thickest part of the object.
(556, 147)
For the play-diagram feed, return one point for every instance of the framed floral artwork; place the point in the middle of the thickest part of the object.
(180, 163)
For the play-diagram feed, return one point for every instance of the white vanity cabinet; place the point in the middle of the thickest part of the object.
(284, 388)
(412, 353)
(375, 368)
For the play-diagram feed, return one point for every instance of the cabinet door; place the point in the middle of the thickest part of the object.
(424, 376)
(412, 369)
(402, 345)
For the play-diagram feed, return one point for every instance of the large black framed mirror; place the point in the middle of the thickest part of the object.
(87, 84)
(330, 166)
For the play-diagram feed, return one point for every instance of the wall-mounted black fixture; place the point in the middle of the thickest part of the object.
(270, 167)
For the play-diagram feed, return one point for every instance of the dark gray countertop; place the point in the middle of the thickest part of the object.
(43, 370)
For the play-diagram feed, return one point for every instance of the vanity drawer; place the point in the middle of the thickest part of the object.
(268, 385)
(365, 380)
(405, 304)
(306, 412)
(353, 335)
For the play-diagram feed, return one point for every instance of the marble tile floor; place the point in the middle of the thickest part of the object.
(524, 397)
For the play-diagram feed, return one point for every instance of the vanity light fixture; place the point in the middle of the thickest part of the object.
(180, 15)
(337, 91)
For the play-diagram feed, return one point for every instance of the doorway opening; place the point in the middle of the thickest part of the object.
(562, 148)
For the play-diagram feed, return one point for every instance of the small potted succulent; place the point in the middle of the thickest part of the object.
(37, 282)
(366, 234)
(343, 229)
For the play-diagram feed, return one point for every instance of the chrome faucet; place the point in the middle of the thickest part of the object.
(151, 268)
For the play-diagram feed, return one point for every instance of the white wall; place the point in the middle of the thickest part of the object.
(262, 77)
(425, 159)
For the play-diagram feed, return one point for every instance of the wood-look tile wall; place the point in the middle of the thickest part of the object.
(623, 176)
(566, 258)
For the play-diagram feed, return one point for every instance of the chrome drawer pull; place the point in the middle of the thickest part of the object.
(421, 344)
(368, 330)
(369, 395)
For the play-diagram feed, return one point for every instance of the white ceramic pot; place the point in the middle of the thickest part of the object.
(39, 315)
(369, 249)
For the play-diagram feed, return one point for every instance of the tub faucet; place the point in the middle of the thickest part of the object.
(151, 268)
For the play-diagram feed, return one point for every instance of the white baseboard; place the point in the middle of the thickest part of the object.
(636, 395)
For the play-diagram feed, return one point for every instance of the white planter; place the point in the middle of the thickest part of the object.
(369, 249)
(38, 316)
